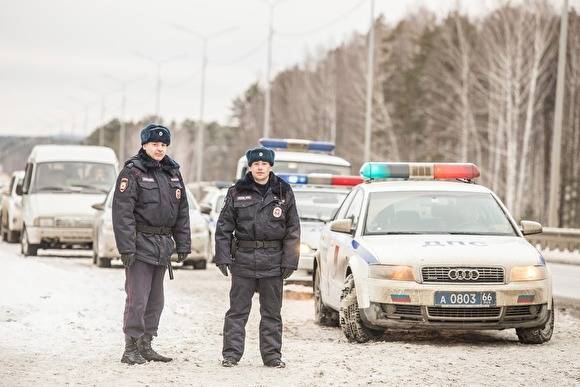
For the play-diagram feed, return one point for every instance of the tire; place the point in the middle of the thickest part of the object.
(539, 335)
(103, 262)
(323, 315)
(12, 236)
(199, 265)
(27, 249)
(350, 321)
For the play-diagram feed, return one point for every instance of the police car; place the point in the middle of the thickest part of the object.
(318, 196)
(296, 156)
(420, 245)
(105, 247)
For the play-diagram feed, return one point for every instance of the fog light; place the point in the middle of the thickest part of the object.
(534, 309)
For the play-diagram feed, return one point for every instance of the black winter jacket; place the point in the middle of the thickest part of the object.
(151, 193)
(247, 215)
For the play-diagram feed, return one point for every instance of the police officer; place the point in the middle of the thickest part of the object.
(257, 240)
(150, 217)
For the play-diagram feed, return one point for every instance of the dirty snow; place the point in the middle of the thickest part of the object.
(60, 323)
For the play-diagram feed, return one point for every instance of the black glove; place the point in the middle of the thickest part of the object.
(181, 257)
(287, 272)
(128, 259)
(223, 268)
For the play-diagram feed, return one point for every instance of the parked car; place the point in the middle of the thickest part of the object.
(212, 211)
(11, 210)
(61, 182)
(105, 248)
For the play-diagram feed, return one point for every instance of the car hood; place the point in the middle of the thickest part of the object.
(57, 205)
(310, 233)
(422, 250)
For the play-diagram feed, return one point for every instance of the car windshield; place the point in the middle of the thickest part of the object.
(465, 213)
(73, 177)
(305, 168)
(318, 205)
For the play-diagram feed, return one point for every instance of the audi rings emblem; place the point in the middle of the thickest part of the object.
(463, 274)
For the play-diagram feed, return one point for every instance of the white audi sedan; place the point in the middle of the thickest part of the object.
(421, 245)
(105, 247)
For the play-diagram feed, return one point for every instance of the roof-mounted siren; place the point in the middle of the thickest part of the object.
(425, 171)
(293, 144)
(321, 179)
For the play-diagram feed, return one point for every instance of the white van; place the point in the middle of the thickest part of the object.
(296, 156)
(61, 183)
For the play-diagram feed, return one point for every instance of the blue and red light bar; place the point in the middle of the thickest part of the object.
(321, 179)
(443, 171)
(298, 145)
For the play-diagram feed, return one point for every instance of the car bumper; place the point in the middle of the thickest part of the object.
(38, 235)
(199, 246)
(408, 304)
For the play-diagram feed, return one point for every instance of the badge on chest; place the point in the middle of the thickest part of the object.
(277, 212)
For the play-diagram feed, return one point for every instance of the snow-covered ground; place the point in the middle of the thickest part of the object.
(60, 323)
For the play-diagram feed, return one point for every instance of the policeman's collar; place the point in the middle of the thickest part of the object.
(167, 163)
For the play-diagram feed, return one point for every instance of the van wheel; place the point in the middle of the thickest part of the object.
(539, 335)
(199, 265)
(12, 237)
(350, 321)
(27, 249)
(103, 262)
(323, 315)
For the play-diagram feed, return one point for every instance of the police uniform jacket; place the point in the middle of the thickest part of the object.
(247, 215)
(152, 194)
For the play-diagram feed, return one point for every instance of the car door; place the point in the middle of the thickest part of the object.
(326, 250)
(343, 248)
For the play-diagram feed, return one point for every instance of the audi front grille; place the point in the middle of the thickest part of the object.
(464, 275)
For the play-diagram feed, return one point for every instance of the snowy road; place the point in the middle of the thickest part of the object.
(60, 323)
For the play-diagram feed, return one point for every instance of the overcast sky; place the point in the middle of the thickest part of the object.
(55, 54)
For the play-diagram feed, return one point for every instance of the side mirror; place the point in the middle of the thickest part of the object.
(205, 208)
(341, 225)
(528, 227)
(99, 206)
(19, 189)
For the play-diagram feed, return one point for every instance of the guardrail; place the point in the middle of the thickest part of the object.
(560, 245)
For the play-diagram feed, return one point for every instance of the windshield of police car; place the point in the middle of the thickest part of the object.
(466, 213)
(317, 206)
(306, 168)
(73, 177)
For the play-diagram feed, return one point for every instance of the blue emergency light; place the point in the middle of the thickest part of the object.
(321, 179)
(298, 145)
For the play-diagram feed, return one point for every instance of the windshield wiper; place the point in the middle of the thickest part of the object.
(402, 233)
(51, 188)
(308, 218)
(90, 187)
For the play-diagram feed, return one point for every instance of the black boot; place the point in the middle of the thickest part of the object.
(131, 355)
(144, 344)
(276, 363)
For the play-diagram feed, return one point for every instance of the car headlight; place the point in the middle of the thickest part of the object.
(305, 249)
(44, 222)
(392, 272)
(528, 273)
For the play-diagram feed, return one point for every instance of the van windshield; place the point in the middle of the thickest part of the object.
(69, 177)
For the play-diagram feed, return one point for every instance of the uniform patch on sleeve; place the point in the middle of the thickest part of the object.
(247, 197)
(178, 194)
(123, 184)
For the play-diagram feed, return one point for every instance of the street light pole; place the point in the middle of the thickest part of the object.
(554, 201)
(201, 125)
(369, 94)
(268, 91)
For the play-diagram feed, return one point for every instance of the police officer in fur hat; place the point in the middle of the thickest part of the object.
(257, 241)
(150, 219)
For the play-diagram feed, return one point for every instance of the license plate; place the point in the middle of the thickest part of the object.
(465, 299)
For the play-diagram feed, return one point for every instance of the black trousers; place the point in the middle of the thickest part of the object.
(144, 303)
(241, 293)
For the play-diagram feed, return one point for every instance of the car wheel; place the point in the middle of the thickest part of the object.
(537, 335)
(350, 321)
(323, 315)
(27, 249)
(12, 236)
(103, 262)
(200, 265)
